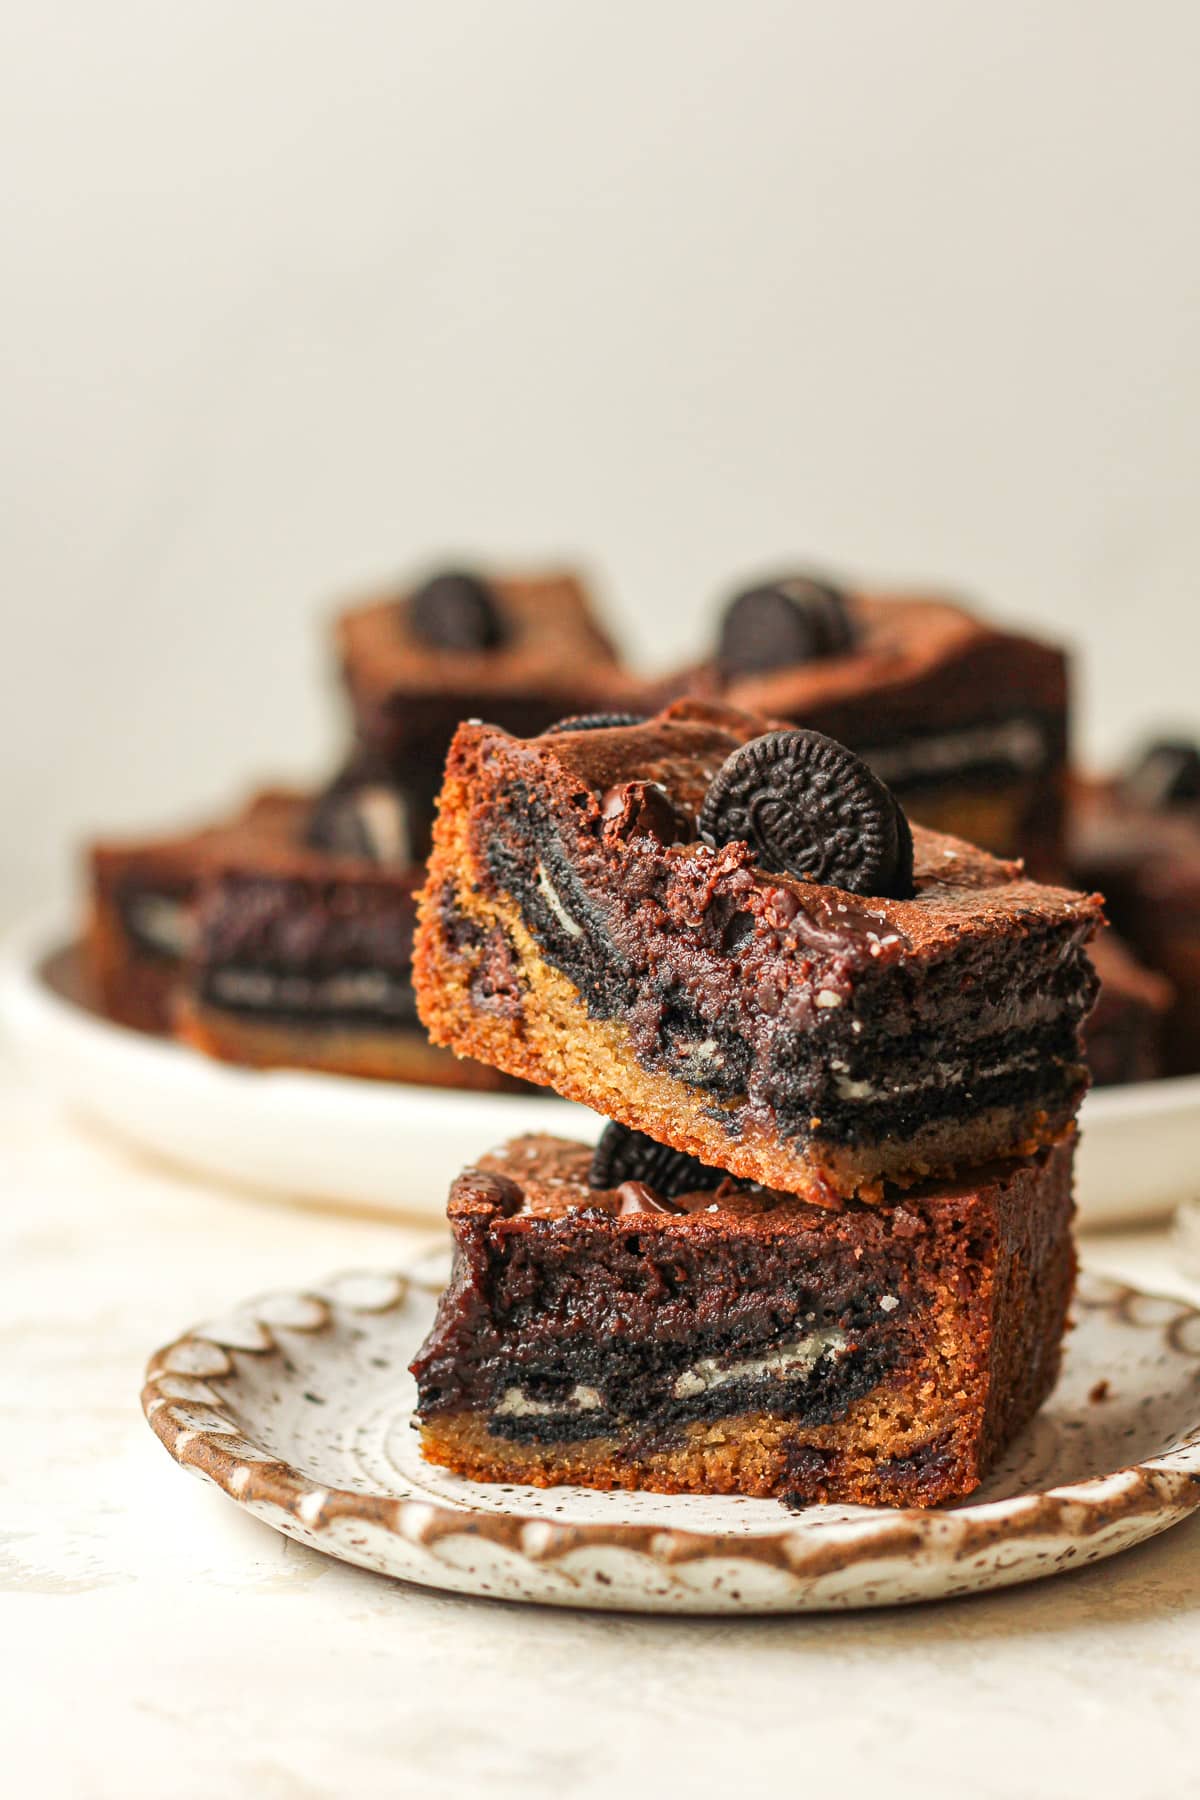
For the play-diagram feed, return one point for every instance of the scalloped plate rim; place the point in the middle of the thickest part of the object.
(1146, 1497)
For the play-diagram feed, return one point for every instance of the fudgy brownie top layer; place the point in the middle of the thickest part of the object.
(911, 658)
(547, 638)
(542, 1179)
(625, 772)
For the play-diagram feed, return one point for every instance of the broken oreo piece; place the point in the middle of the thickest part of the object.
(809, 807)
(368, 820)
(456, 611)
(598, 721)
(630, 1156)
(1166, 774)
(781, 623)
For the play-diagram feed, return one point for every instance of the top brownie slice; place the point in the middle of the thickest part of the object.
(577, 930)
(523, 650)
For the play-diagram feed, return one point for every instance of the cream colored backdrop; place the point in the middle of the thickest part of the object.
(291, 294)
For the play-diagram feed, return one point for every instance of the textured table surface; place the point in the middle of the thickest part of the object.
(157, 1643)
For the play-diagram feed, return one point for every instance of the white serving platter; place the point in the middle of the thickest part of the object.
(394, 1149)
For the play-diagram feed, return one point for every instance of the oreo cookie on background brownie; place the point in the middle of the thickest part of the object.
(724, 1338)
(965, 721)
(521, 649)
(726, 937)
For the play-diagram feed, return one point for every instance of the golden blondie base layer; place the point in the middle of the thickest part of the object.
(889, 1450)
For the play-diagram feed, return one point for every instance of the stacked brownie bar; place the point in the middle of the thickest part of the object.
(823, 1249)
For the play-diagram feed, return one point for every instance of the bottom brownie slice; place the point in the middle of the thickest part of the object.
(737, 1340)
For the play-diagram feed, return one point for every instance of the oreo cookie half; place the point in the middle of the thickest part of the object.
(781, 623)
(598, 721)
(455, 610)
(623, 1155)
(809, 807)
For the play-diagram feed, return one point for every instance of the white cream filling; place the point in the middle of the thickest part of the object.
(550, 895)
(163, 923)
(795, 1358)
(799, 1356)
(944, 1075)
(516, 1404)
(259, 988)
(1018, 742)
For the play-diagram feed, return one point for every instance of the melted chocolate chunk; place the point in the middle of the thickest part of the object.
(780, 623)
(599, 721)
(367, 820)
(630, 1157)
(809, 807)
(636, 1197)
(645, 809)
(456, 611)
(1166, 774)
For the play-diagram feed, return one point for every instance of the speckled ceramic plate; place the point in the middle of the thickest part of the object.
(299, 1407)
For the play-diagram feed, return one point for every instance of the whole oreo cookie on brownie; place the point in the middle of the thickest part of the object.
(611, 1323)
(725, 935)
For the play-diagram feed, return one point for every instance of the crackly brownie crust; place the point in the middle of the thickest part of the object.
(745, 1342)
(967, 723)
(554, 659)
(795, 1035)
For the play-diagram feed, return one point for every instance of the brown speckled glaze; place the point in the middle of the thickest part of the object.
(298, 1407)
